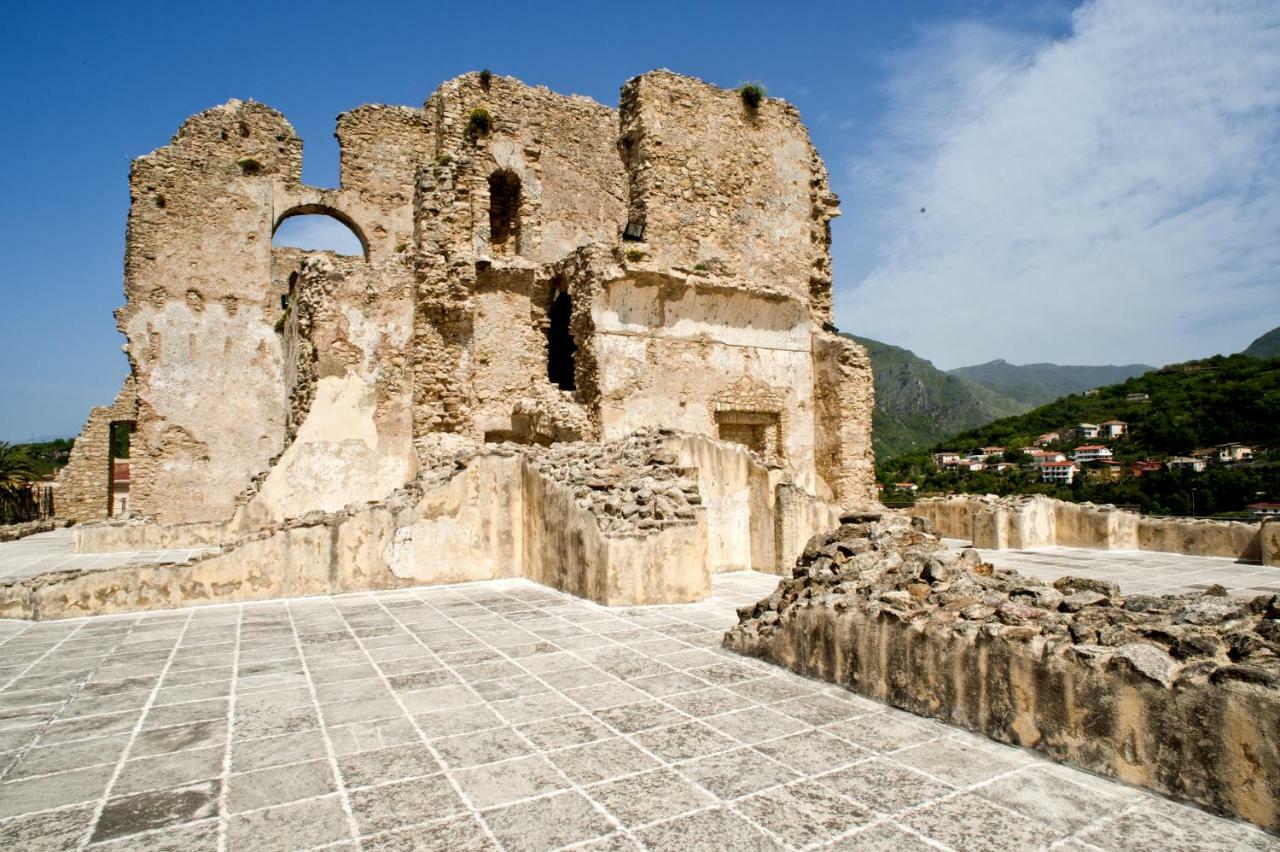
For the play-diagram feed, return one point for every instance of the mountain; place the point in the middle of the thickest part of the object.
(1266, 346)
(1037, 384)
(918, 405)
(1172, 411)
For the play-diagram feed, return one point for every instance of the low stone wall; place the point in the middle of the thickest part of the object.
(1179, 694)
(621, 525)
(1269, 542)
(1017, 522)
(13, 532)
(134, 534)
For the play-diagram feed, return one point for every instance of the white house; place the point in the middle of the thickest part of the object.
(1233, 452)
(1087, 430)
(1113, 428)
(1187, 462)
(1090, 452)
(1062, 473)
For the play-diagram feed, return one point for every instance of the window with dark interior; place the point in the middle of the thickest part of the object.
(504, 210)
(560, 345)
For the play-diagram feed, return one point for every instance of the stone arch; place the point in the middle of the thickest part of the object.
(324, 210)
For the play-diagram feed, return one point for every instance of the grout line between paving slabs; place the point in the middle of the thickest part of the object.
(352, 827)
(607, 642)
(58, 706)
(717, 800)
(223, 807)
(417, 728)
(133, 737)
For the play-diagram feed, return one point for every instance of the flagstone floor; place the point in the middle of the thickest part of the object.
(1140, 571)
(503, 715)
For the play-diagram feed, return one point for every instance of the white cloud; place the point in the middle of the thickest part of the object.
(316, 231)
(1110, 197)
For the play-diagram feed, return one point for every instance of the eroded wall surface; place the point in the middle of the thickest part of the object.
(1180, 694)
(534, 268)
(1037, 521)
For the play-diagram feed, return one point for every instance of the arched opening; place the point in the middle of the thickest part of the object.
(315, 227)
(504, 211)
(560, 344)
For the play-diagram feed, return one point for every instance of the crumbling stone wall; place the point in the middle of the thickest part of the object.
(265, 409)
(1178, 693)
(720, 186)
(1022, 521)
(83, 485)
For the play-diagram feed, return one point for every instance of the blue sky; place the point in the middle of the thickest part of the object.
(1113, 166)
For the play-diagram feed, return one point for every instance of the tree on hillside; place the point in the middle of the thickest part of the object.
(16, 474)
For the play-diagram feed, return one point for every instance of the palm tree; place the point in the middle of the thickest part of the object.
(16, 475)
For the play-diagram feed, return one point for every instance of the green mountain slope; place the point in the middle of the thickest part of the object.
(1266, 346)
(1186, 407)
(917, 404)
(1038, 384)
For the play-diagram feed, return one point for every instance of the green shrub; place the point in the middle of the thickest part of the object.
(486, 77)
(443, 159)
(635, 255)
(249, 166)
(479, 123)
(401, 248)
(752, 94)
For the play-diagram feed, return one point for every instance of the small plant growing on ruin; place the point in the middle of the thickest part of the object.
(443, 159)
(479, 123)
(160, 200)
(752, 94)
(249, 166)
(486, 77)
(401, 248)
(700, 266)
(634, 255)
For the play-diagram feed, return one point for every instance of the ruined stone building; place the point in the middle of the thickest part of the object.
(581, 344)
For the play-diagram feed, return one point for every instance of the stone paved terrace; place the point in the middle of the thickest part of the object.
(1139, 571)
(503, 715)
(51, 551)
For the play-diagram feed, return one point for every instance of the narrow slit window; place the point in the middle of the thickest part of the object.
(560, 344)
(504, 210)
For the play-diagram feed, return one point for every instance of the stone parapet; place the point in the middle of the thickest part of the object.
(1022, 521)
(1179, 694)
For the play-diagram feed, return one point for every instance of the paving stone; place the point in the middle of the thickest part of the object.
(886, 787)
(1161, 826)
(60, 829)
(163, 771)
(74, 755)
(883, 837)
(285, 827)
(248, 755)
(547, 823)
(631, 718)
(1053, 800)
(755, 724)
(508, 781)
(644, 798)
(706, 831)
(804, 813)
(736, 773)
(54, 791)
(684, 741)
(262, 788)
(812, 752)
(968, 822)
(467, 750)
(564, 731)
(367, 768)
(955, 763)
(404, 803)
(601, 760)
(125, 815)
(464, 833)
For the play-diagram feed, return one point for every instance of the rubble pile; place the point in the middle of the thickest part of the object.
(633, 486)
(1177, 693)
(897, 568)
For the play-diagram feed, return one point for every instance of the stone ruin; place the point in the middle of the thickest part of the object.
(544, 282)
(1178, 693)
